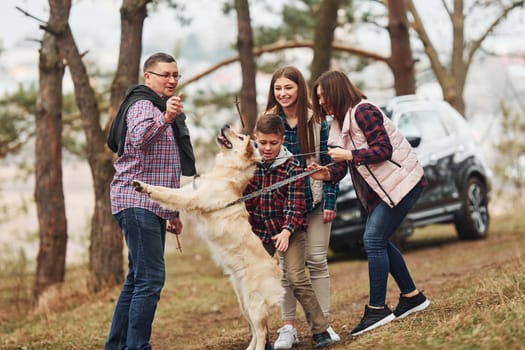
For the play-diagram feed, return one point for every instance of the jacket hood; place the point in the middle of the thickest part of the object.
(281, 158)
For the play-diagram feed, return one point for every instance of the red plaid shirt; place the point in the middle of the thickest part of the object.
(150, 155)
(283, 208)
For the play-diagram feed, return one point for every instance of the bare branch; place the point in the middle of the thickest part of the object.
(429, 48)
(449, 12)
(284, 46)
(237, 105)
(475, 45)
(507, 55)
(43, 24)
(30, 15)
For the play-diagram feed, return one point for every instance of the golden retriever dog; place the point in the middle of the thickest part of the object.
(254, 275)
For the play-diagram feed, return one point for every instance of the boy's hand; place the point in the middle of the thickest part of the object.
(281, 240)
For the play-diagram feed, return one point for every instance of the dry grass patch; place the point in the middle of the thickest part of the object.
(476, 288)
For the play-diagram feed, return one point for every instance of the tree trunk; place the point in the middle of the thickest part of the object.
(132, 15)
(108, 244)
(325, 25)
(248, 68)
(105, 262)
(105, 251)
(401, 61)
(49, 192)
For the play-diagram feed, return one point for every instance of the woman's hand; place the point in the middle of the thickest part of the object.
(339, 154)
(328, 215)
(322, 173)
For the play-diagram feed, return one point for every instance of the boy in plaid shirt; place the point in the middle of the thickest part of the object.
(279, 219)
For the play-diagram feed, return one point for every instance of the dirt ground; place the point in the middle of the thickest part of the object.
(434, 264)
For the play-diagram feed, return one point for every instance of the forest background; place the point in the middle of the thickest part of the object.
(491, 97)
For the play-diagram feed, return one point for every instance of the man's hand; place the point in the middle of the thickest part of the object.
(174, 226)
(281, 240)
(174, 107)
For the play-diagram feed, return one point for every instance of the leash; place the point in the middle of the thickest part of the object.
(305, 154)
(275, 186)
(298, 155)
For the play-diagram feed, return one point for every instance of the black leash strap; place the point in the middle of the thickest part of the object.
(275, 186)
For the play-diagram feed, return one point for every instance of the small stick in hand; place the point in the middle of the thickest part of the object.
(179, 246)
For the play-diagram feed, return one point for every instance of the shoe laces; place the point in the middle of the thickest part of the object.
(287, 328)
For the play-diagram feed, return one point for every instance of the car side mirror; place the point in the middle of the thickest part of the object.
(414, 140)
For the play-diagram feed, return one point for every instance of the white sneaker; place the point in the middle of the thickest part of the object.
(287, 337)
(333, 334)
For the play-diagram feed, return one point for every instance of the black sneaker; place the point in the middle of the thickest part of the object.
(407, 306)
(322, 340)
(268, 346)
(373, 318)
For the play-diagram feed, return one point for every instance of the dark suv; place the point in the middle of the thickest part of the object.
(458, 179)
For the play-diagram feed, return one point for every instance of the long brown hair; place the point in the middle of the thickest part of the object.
(338, 92)
(305, 131)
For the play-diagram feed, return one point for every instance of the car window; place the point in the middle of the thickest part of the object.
(425, 124)
(456, 123)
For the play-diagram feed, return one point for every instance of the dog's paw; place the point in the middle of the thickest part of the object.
(139, 186)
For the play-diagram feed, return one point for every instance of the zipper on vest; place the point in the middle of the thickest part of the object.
(380, 186)
(371, 173)
(395, 163)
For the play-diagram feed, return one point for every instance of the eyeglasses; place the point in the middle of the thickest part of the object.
(167, 76)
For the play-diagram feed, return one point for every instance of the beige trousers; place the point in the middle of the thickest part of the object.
(293, 265)
(317, 239)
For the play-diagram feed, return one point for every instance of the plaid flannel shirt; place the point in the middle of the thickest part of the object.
(291, 142)
(283, 208)
(150, 155)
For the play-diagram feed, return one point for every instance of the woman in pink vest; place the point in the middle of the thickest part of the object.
(388, 180)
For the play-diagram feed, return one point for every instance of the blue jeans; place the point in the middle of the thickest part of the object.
(145, 235)
(383, 256)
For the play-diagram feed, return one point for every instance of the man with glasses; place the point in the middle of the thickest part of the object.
(153, 144)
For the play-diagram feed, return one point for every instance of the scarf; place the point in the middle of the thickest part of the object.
(117, 132)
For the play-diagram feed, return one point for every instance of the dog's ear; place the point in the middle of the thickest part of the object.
(250, 152)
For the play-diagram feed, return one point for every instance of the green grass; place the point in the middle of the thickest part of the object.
(476, 288)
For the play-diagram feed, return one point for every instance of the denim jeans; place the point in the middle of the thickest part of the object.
(145, 235)
(383, 256)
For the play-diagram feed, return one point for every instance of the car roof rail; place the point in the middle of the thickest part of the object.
(402, 99)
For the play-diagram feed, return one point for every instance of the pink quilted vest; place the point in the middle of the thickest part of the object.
(391, 179)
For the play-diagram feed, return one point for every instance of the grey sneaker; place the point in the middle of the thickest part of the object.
(407, 306)
(287, 337)
(333, 334)
(373, 318)
(322, 340)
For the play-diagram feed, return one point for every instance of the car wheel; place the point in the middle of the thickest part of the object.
(472, 222)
